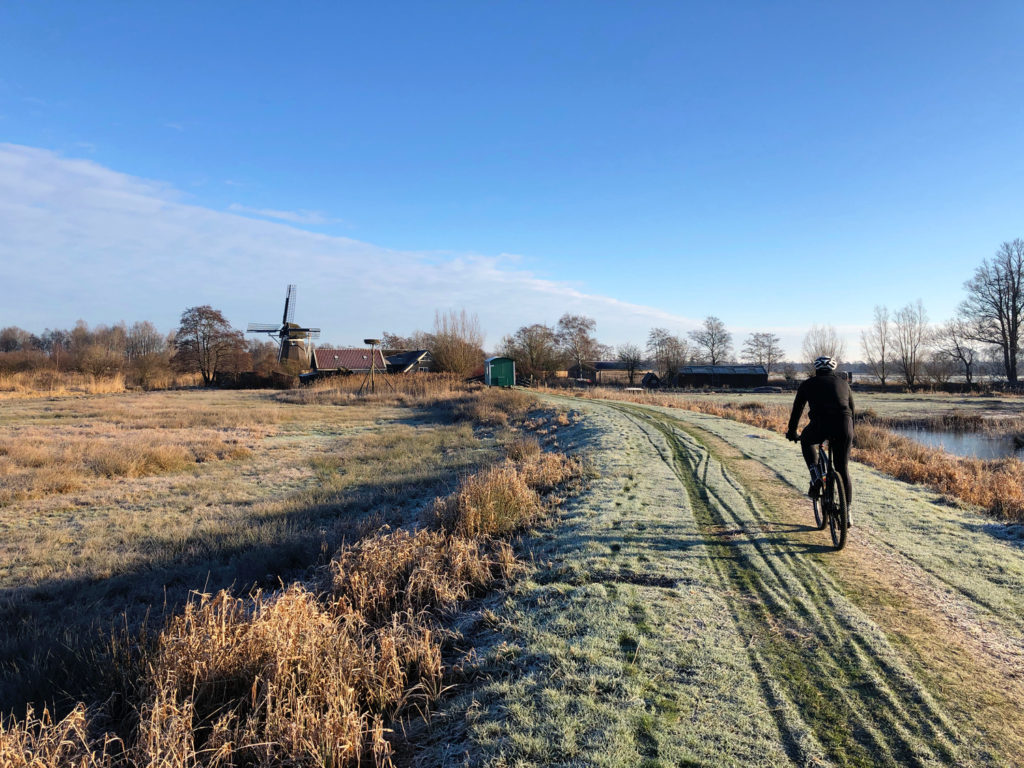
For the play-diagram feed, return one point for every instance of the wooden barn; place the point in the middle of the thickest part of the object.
(351, 360)
(735, 376)
(411, 361)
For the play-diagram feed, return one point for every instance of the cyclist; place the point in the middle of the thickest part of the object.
(831, 419)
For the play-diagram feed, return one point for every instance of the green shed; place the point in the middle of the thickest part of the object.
(500, 372)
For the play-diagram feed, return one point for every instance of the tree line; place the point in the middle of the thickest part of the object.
(985, 331)
(204, 343)
(902, 344)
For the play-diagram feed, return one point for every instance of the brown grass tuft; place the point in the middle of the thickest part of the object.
(495, 502)
(522, 448)
(39, 742)
(402, 572)
(504, 499)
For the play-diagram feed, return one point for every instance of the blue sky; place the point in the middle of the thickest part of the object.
(775, 164)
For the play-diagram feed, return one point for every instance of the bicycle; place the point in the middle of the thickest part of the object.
(830, 507)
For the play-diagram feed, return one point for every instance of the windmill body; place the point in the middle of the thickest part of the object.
(294, 340)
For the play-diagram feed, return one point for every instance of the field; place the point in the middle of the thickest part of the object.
(675, 607)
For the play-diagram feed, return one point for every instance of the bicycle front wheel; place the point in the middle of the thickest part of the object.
(820, 518)
(839, 517)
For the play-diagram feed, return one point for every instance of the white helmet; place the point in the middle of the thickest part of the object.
(824, 363)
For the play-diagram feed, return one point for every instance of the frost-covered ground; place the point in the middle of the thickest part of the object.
(893, 405)
(684, 612)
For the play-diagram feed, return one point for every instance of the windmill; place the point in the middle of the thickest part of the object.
(293, 338)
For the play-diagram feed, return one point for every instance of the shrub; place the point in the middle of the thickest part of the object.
(496, 502)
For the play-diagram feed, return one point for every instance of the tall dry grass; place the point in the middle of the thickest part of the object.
(35, 462)
(49, 382)
(505, 498)
(995, 485)
(304, 677)
(463, 401)
(390, 389)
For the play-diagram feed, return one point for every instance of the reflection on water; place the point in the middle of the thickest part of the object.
(970, 444)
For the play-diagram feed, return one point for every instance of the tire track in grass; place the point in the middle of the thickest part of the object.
(829, 667)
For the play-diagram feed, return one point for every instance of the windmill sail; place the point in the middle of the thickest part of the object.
(293, 338)
(289, 305)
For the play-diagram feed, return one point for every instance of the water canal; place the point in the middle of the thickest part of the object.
(974, 445)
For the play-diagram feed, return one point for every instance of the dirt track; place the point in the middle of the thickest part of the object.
(692, 615)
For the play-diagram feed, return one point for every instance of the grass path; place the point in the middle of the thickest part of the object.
(687, 614)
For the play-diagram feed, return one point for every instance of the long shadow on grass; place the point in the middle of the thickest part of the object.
(54, 632)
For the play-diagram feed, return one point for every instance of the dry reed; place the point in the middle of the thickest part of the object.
(505, 498)
(39, 742)
(404, 572)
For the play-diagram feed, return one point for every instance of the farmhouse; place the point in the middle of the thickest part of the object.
(741, 376)
(411, 361)
(351, 360)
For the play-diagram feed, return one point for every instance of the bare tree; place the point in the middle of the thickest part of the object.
(937, 368)
(823, 341)
(147, 352)
(995, 303)
(144, 339)
(206, 343)
(669, 352)
(763, 349)
(910, 335)
(714, 341)
(576, 339)
(954, 341)
(457, 342)
(632, 357)
(876, 343)
(535, 350)
(14, 339)
(416, 340)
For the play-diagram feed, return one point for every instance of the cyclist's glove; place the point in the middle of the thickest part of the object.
(791, 436)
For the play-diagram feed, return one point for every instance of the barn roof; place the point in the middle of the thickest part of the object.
(353, 359)
(403, 361)
(719, 370)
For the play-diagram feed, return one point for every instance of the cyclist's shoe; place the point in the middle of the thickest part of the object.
(815, 490)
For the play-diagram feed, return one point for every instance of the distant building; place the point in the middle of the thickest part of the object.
(411, 361)
(650, 381)
(500, 372)
(351, 360)
(738, 376)
(608, 372)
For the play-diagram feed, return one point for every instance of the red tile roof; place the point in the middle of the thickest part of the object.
(353, 359)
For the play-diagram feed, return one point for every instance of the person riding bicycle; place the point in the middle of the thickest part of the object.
(831, 419)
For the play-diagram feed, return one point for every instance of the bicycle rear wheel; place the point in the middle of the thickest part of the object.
(839, 513)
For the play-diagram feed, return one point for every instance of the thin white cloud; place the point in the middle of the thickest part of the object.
(293, 217)
(83, 241)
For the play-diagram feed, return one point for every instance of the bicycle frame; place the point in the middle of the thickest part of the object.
(830, 507)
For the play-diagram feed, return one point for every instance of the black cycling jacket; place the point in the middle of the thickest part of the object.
(829, 396)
